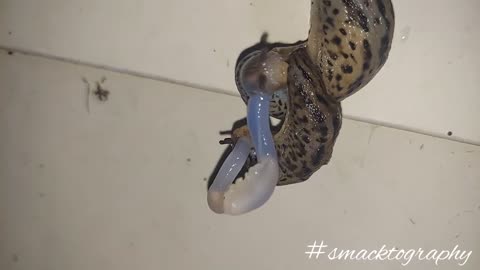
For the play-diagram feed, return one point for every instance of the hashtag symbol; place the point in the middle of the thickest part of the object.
(315, 250)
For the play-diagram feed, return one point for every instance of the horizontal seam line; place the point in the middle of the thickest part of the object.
(220, 91)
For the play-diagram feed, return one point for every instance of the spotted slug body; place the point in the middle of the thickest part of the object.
(348, 43)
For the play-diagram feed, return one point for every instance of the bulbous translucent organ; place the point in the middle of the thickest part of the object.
(260, 181)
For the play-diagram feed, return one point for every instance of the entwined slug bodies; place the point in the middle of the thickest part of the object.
(348, 43)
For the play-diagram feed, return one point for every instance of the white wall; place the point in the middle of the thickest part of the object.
(429, 83)
(120, 184)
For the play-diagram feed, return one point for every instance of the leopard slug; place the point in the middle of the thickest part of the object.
(348, 44)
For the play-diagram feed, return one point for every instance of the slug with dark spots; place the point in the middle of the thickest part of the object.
(302, 85)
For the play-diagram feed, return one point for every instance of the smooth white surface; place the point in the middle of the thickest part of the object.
(121, 186)
(429, 84)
